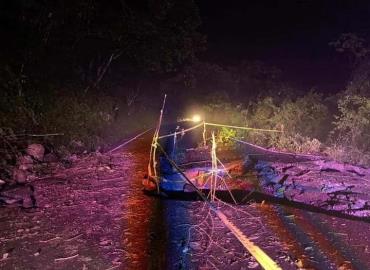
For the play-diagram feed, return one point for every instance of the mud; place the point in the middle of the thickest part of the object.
(95, 215)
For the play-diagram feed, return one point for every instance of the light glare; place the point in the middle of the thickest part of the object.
(196, 118)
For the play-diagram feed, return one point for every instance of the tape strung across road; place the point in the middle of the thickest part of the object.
(217, 125)
(130, 140)
(243, 128)
(180, 132)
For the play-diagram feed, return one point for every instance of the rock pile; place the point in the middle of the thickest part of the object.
(24, 168)
(15, 187)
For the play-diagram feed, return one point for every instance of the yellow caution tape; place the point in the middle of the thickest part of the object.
(244, 128)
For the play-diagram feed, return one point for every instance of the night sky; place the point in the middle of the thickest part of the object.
(293, 35)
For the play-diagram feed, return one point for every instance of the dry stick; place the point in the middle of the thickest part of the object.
(113, 267)
(39, 135)
(156, 136)
(211, 233)
(237, 210)
(228, 174)
(74, 237)
(49, 240)
(153, 147)
(195, 162)
(214, 168)
(214, 266)
(216, 259)
(205, 183)
(204, 134)
(102, 70)
(244, 212)
(227, 187)
(66, 258)
(208, 235)
(263, 259)
(193, 227)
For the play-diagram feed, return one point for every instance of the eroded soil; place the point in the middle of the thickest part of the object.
(91, 216)
(95, 215)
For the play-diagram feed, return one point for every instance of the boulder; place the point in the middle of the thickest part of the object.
(25, 162)
(36, 151)
(77, 147)
(20, 176)
(50, 158)
(62, 152)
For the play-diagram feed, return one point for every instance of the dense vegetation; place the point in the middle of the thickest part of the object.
(95, 71)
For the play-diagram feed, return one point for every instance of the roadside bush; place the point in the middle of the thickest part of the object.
(351, 134)
(93, 120)
(296, 143)
(307, 116)
(225, 135)
(79, 119)
(304, 121)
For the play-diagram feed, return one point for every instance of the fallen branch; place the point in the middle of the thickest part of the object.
(49, 240)
(65, 258)
(113, 267)
(74, 237)
(39, 135)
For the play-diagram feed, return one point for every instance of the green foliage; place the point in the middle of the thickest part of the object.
(304, 121)
(307, 115)
(296, 143)
(354, 117)
(220, 110)
(225, 135)
(352, 129)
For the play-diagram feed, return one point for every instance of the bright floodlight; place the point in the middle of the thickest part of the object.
(196, 118)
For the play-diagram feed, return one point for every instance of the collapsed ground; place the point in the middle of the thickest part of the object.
(94, 215)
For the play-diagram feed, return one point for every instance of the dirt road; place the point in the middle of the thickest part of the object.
(94, 215)
(91, 216)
